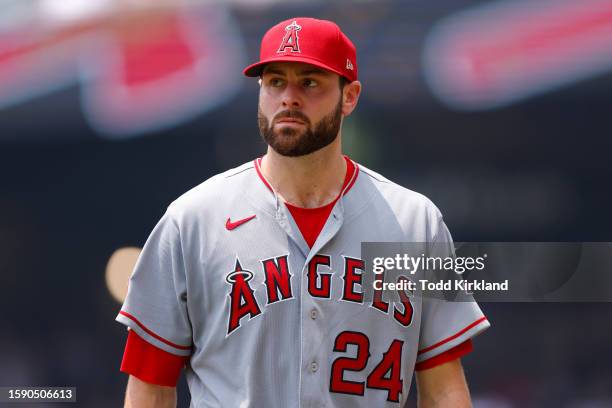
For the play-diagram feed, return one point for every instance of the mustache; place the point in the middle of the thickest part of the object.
(291, 114)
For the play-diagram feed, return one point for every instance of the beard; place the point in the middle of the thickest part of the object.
(292, 142)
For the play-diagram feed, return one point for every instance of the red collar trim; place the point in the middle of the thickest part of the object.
(260, 174)
(348, 186)
(353, 176)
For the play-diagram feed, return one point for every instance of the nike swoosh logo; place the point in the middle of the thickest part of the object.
(231, 225)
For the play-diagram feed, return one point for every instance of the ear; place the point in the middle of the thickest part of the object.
(350, 97)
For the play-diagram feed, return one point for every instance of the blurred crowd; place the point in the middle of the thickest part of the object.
(104, 121)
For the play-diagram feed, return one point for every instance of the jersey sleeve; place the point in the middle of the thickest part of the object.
(452, 354)
(156, 304)
(149, 363)
(447, 324)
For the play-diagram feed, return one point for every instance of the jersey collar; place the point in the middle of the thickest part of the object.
(347, 187)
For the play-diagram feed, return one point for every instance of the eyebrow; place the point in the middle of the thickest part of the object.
(305, 72)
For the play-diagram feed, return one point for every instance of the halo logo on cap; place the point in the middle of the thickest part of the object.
(307, 40)
(291, 39)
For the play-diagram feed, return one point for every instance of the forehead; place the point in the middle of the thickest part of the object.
(295, 68)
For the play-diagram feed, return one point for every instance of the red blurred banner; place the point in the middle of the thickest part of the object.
(141, 70)
(493, 55)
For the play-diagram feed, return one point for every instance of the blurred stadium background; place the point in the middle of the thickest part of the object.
(500, 112)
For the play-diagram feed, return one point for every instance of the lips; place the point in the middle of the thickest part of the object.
(289, 120)
(290, 117)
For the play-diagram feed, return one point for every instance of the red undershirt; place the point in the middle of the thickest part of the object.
(156, 366)
(310, 221)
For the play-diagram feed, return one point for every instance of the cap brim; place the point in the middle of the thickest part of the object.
(255, 70)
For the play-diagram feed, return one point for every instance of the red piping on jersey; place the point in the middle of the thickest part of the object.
(353, 179)
(257, 164)
(476, 323)
(449, 355)
(346, 189)
(143, 327)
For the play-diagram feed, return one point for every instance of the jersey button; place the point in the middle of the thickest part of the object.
(314, 366)
(313, 314)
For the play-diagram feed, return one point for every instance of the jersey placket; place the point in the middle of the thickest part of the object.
(313, 369)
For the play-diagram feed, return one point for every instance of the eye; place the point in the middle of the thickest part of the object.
(276, 82)
(310, 83)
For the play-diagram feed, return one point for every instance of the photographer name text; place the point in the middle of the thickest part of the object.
(454, 284)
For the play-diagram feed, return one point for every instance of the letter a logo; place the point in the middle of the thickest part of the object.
(290, 40)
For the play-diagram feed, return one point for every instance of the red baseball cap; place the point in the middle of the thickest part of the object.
(303, 39)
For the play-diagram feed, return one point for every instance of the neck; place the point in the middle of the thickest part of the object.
(309, 181)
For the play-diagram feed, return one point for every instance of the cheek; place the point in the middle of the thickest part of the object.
(324, 109)
(265, 107)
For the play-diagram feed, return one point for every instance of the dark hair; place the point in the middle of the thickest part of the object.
(343, 82)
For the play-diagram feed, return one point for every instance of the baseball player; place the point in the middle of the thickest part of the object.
(252, 282)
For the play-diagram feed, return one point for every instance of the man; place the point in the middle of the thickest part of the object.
(253, 279)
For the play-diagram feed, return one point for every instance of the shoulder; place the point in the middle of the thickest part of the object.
(216, 192)
(398, 196)
(409, 208)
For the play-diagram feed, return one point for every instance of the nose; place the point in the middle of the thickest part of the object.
(291, 97)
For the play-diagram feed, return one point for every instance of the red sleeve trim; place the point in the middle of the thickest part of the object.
(454, 336)
(449, 355)
(149, 363)
(143, 327)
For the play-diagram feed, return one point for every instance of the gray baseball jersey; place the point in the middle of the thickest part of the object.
(227, 279)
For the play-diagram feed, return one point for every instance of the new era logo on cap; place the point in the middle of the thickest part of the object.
(308, 40)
